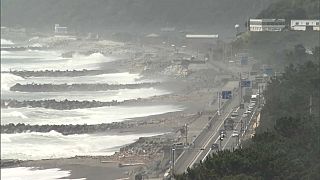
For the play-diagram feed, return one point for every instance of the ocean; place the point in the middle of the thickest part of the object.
(33, 145)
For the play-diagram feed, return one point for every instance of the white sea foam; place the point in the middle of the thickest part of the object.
(32, 173)
(99, 115)
(6, 42)
(8, 80)
(16, 114)
(110, 95)
(50, 60)
(112, 78)
(31, 54)
(35, 145)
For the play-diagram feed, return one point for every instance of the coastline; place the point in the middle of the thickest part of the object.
(195, 99)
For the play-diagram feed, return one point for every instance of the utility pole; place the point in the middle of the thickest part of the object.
(219, 103)
(186, 130)
(173, 159)
(310, 105)
(238, 141)
(197, 53)
(258, 96)
(223, 52)
(245, 123)
(240, 86)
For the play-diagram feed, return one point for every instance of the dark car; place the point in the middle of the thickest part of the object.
(215, 146)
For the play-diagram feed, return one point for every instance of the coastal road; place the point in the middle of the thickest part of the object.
(230, 142)
(202, 144)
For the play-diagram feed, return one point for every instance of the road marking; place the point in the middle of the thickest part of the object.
(237, 126)
(210, 150)
(208, 141)
(218, 137)
(231, 134)
(196, 138)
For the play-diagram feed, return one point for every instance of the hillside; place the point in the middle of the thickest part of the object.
(272, 47)
(287, 146)
(292, 9)
(128, 15)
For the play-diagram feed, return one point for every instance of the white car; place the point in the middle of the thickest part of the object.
(235, 134)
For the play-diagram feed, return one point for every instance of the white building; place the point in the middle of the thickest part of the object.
(303, 25)
(60, 30)
(202, 36)
(259, 25)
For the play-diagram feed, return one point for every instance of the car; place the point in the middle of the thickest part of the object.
(249, 111)
(222, 131)
(221, 137)
(178, 144)
(245, 115)
(215, 146)
(234, 114)
(235, 134)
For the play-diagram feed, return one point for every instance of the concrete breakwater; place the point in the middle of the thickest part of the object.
(23, 48)
(62, 105)
(63, 129)
(58, 73)
(77, 87)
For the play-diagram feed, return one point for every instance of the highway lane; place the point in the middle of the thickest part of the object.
(200, 154)
(202, 143)
(207, 145)
(228, 136)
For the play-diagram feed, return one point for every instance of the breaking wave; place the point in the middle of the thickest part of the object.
(35, 145)
(32, 173)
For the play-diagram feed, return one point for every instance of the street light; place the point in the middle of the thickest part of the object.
(173, 159)
(237, 28)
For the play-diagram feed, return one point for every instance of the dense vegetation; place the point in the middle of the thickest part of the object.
(273, 47)
(287, 143)
(292, 9)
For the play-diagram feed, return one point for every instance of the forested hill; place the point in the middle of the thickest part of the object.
(89, 14)
(292, 9)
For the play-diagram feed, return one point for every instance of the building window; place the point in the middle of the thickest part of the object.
(307, 23)
(317, 23)
(297, 23)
